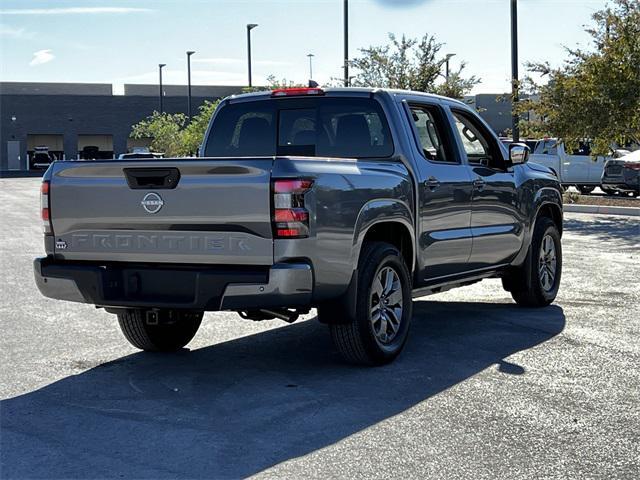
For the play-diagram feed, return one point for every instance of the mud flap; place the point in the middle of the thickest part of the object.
(343, 308)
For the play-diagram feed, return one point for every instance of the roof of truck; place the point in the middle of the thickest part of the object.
(343, 90)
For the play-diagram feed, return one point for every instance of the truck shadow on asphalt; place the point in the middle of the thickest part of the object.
(236, 408)
(621, 229)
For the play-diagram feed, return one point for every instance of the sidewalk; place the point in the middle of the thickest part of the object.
(603, 209)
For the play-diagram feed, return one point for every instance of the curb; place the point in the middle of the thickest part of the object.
(603, 209)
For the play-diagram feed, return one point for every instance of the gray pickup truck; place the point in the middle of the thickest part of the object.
(352, 201)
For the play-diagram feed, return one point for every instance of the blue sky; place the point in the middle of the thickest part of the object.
(122, 41)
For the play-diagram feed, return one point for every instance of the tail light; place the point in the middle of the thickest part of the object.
(633, 166)
(296, 92)
(290, 217)
(45, 207)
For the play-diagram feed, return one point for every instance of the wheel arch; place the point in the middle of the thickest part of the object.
(552, 211)
(386, 220)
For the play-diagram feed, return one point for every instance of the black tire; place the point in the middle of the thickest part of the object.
(608, 191)
(586, 189)
(355, 338)
(174, 330)
(531, 292)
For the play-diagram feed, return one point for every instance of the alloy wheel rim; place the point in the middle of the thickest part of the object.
(547, 263)
(386, 305)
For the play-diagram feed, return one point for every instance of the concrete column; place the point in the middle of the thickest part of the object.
(119, 143)
(71, 145)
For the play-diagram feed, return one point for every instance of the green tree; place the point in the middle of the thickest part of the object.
(273, 83)
(165, 132)
(193, 134)
(410, 64)
(595, 94)
(172, 133)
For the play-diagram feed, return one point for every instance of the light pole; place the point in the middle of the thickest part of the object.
(446, 74)
(515, 128)
(310, 55)
(250, 27)
(346, 43)
(189, 53)
(160, 65)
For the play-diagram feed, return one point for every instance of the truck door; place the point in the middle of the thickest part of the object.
(444, 204)
(495, 221)
(597, 168)
(577, 164)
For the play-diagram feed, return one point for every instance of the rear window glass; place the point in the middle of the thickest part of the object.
(317, 127)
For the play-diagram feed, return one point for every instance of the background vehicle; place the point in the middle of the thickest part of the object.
(529, 142)
(622, 175)
(125, 156)
(577, 168)
(90, 152)
(348, 200)
(41, 158)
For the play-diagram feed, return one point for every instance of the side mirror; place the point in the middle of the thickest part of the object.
(518, 153)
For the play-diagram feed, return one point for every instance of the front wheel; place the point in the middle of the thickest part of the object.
(164, 331)
(379, 330)
(545, 268)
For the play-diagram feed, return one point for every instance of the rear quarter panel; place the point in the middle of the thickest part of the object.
(348, 197)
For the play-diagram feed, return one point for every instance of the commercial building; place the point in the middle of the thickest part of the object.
(72, 120)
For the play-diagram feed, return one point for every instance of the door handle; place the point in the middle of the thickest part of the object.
(432, 183)
(478, 183)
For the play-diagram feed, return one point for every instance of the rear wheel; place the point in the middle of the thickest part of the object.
(538, 285)
(379, 330)
(586, 189)
(164, 331)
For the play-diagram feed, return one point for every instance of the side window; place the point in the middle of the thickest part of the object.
(584, 149)
(546, 147)
(477, 142)
(428, 126)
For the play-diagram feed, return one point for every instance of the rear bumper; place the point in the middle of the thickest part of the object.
(622, 185)
(196, 287)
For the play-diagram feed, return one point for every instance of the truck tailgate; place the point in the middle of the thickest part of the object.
(215, 211)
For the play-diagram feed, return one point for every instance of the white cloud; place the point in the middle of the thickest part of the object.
(12, 32)
(41, 56)
(71, 10)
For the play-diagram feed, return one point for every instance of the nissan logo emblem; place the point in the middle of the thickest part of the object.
(152, 203)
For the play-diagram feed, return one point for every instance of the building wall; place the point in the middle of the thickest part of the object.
(74, 114)
(47, 88)
(496, 110)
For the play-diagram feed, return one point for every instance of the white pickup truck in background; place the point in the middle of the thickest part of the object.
(577, 168)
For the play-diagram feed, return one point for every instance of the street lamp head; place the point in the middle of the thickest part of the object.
(160, 65)
(190, 52)
(449, 55)
(251, 26)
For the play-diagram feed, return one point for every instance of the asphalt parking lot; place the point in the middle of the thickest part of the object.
(484, 389)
